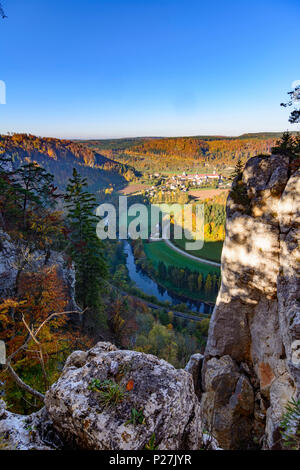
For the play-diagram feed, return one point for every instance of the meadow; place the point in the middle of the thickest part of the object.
(159, 251)
(211, 250)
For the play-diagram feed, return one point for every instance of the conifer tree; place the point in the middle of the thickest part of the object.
(35, 186)
(162, 270)
(294, 100)
(238, 170)
(8, 207)
(85, 249)
(288, 146)
(239, 188)
(23, 191)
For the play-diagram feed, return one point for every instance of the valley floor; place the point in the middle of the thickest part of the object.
(188, 255)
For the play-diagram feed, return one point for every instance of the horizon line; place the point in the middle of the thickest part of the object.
(225, 136)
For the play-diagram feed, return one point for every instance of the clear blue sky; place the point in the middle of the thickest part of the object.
(115, 68)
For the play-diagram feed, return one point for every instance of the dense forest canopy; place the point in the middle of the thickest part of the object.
(221, 150)
(185, 153)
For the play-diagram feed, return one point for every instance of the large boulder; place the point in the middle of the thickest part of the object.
(92, 404)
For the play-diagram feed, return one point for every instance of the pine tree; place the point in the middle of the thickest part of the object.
(24, 192)
(8, 197)
(238, 170)
(162, 270)
(288, 146)
(35, 186)
(239, 188)
(85, 249)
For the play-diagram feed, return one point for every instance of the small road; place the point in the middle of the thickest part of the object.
(195, 258)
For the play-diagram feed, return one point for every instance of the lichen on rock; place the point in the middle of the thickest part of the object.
(33, 432)
(164, 395)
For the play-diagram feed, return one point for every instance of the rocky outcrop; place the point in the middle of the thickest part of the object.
(15, 256)
(87, 416)
(77, 415)
(34, 432)
(251, 367)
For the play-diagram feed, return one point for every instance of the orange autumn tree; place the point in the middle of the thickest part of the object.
(46, 230)
(121, 319)
(34, 328)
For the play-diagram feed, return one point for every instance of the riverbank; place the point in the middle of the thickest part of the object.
(154, 288)
(184, 276)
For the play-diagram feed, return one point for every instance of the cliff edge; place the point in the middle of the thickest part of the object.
(251, 367)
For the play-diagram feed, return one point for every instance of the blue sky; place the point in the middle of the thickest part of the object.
(108, 68)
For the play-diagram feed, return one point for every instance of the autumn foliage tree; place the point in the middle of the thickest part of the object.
(121, 313)
(34, 327)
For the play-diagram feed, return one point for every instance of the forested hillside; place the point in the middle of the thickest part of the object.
(219, 151)
(61, 156)
(168, 154)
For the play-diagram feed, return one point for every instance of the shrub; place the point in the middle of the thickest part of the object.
(290, 425)
(110, 393)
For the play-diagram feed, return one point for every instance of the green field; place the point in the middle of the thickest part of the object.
(211, 250)
(159, 251)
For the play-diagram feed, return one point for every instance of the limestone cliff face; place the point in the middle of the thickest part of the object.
(16, 256)
(251, 366)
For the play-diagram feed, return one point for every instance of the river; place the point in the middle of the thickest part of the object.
(150, 287)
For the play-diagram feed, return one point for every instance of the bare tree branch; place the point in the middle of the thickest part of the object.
(33, 334)
(56, 315)
(22, 384)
